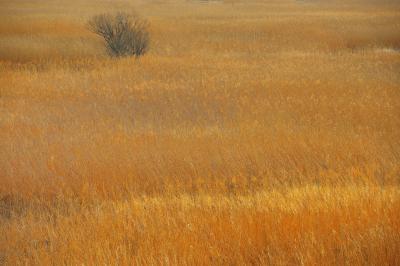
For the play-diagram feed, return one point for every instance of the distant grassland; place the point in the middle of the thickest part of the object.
(253, 132)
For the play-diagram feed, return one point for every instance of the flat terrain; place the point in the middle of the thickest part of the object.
(251, 133)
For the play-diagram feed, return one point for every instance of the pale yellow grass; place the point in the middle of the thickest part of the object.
(251, 133)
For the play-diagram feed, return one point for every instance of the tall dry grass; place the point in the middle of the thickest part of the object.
(252, 133)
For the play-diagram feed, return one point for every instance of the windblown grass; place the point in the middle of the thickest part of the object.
(252, 133)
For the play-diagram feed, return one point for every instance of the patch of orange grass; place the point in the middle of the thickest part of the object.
(252, 133)
(305, 225)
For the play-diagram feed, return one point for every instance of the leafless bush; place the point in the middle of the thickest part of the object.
(124, 34)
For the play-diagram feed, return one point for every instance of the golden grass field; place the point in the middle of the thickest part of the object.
(251, 133)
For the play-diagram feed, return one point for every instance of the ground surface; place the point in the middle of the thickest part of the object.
(252, 132)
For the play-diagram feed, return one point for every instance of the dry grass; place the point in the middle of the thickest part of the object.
(251, 133)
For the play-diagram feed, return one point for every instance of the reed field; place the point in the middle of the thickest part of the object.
(251, 133)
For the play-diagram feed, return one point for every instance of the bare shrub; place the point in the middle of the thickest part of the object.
(124, 34)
